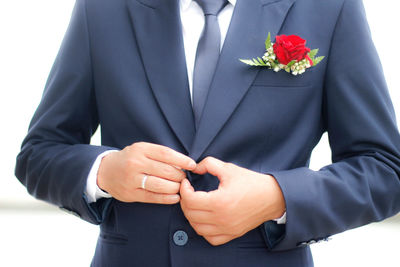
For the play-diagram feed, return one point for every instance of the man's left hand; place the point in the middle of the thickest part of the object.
(244, 200)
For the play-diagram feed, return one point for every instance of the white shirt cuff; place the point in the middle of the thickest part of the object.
(92, 191)
(281, 220)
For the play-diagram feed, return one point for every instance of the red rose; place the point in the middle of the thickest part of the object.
(292, 47)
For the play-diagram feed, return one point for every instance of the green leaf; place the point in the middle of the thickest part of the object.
(273, 64)
(291, 63)
(287, 70)
(247, 61)
(254, 62)
(268, 43)
(261, 61)
(317, 60)
(313, 53)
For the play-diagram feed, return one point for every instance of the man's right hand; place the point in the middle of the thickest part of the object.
(121, 173)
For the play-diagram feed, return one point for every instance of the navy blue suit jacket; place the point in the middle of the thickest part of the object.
(122, 66)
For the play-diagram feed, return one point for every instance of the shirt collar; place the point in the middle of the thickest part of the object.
(184, 4)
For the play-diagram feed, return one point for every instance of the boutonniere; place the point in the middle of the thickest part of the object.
(288, 53)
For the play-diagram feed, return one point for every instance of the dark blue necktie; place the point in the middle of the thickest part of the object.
(207, 54)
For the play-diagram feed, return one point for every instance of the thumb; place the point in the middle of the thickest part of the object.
(213, 166)
(186, 188)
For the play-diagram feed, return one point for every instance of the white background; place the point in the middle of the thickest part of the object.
(34, 234)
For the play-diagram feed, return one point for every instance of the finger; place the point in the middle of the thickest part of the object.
(218, 239)
(197, 216)
(156, 198)
(163, 170)
(206, 229)
(211, 165)
(195, 200)
(169, 156)
(159, 185)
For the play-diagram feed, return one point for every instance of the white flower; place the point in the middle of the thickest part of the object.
(276, 69)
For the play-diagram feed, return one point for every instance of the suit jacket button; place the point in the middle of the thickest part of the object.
(180, 238)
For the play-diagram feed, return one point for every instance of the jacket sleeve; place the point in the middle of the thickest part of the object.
(362, 184)
(56, 157)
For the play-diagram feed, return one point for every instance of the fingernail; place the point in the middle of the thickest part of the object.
(186, 183)
(192, 164)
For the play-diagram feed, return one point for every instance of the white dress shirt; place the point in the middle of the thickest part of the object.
(192, 19)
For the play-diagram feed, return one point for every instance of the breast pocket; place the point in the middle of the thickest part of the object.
(270, 78)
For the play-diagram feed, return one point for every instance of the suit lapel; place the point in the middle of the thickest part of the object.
(157, 28)
(249, 27)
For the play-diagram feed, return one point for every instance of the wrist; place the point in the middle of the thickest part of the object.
(92, 190)
(102, 173)
(276, 207)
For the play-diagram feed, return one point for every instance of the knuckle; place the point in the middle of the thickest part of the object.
(141, 144)
(200, 231)
(176, 187)
(157, 185)
(129, 148)
(137, 146)
(213, 241)
(172, 188)
(169, 171)
(127, 196)
(177, 177)
(221, 221)
(165, 199)
(148, 196)
(229, 165)
(230, 228)
(208, 159)
(133, 147)
(182, 175)
(164, 152)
